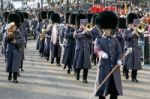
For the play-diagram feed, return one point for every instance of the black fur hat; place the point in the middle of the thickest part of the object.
(49, 14)
(93, 19)
(44, 14)
(14, 17)
(55, 17)
(5, 16)
(67, 17)
(21, 15)
(122, 23)
(107, 20)
(72, 19)
(26, 15)
(79, 17)
(89, 17)
(131, 17)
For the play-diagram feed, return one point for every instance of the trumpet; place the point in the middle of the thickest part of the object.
(10, 29)
(42, 35)
(88, 27)
(140, 28)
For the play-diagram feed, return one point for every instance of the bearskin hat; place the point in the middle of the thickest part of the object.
(107, 20)
(5, 16)
(79, 17)
(26, 15)
(89, 17)
(44, 14)
(21, 15)
(131, 17)
(49, 14)
(67, 17)
(72, 19)
(122, 23)
(55, 17)
(14, 17)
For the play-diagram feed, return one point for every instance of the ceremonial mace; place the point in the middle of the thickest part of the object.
(129, 50)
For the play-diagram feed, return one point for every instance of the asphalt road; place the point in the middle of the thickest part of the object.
(41, 80)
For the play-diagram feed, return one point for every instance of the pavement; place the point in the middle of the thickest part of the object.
(41, 80)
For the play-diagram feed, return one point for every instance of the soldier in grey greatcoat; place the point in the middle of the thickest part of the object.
(131, 36)
(55, 48)
(69, 41)
(14, 44)
(94, 33)
(82, 49)
(23, 35)
(119, 35)
(3, 32)
(108, 50)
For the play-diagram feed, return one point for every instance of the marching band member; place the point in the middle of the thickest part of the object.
(82, 49)
(119, 35)
(23, 35)
(55, 47)
(34, 25)
(69, 42)
(42, 32)
(48, 37)
(4, 33)
(108, 50)
(95, 32)
(131, 36)
(14, 44)
(26, 26)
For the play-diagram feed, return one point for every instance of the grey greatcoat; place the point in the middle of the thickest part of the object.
(132, 60)
(69, 46)
(82, 50)
(111, 46)
(14, 53)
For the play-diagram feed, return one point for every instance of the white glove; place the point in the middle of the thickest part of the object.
(61, 45)
(119, 62)
(103, 55)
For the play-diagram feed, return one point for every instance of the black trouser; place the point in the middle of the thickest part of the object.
(56, 49)
(111, 97)
(21, 65)
(15, 74)
(134, 74)
(85, 73)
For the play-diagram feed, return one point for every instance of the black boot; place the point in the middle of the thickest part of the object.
(21, 66)
(134, 76)
(126, 73)
(69, 69)
(85, 73)
(52, 60)
(58, 61)
(10, 76)
(77, 74)
(15, 74)
(64, 67)
(102, 97)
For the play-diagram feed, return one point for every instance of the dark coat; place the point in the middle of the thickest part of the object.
(119, 36)
(14, 53)
(132, 60)
(82, 50)
(69, 46)
(112, 47)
